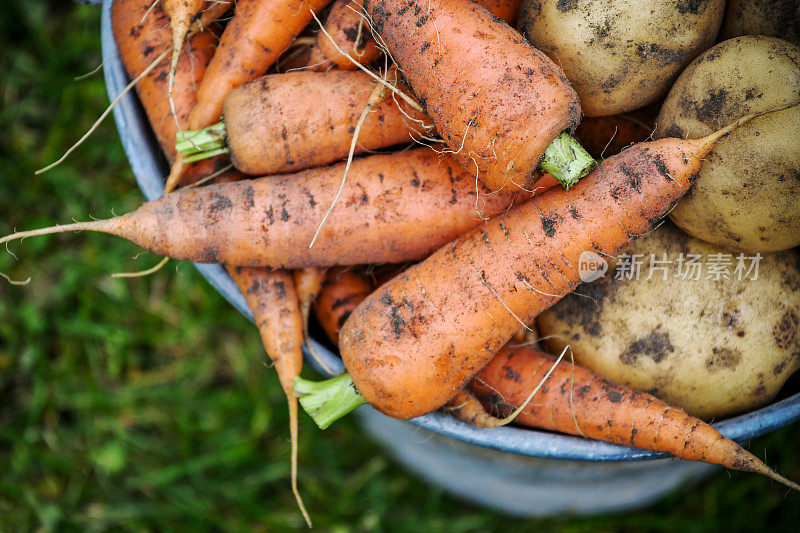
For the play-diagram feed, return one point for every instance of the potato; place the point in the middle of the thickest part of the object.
(747, 194)
(713, 347)
(621, 54)
(776, 18)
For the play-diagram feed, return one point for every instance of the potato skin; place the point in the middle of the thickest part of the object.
(621, 54)
(747, 194)
(776, 18)
(711, 347)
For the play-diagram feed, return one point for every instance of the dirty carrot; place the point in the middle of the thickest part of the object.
(499, 112)
(577, 401)
(347, 26)
(272, 299)
(342, 291)
(420, 337)
(395, 207)
(298, 120)
(260, 31)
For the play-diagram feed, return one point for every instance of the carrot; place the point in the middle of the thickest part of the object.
(142, 38)
(498, 112)
(308, 283)
(346, 26)
(342, 291)
(415, 341)
(607, 136)
(576, 401)
(395, 207)
(298, 120)
(272, 299)
(257, 35)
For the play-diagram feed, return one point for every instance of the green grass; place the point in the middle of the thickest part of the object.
(146, 404)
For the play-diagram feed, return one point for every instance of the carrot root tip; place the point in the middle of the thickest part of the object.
(567, 160)
(329, 400)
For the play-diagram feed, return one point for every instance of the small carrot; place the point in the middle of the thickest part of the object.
(420, 337)
(342, 291)
(308, 283)
(499, 111)
(272, 299)
(260, 31)
(394, 208)
(576, 401)
(347, 28)
(287, 122)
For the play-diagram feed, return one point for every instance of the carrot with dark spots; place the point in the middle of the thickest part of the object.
(272, 299)
(397, 223)
(297, 120)
(497, 120)
(579, 402)
(342, 291)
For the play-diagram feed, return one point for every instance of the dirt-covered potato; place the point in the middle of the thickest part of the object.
(712, 346)
(776, 18)
(621, 54)
(747, 194)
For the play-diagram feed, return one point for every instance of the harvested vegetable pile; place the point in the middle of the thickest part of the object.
(479, 182)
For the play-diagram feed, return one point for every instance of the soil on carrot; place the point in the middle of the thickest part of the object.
(146, 404)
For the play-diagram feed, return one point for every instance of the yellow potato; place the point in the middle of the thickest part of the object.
(713, 347)
(747, 194)
(621, 54)
(776, 18)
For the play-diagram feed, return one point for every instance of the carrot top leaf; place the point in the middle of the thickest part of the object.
(327, 401)
(566, 160)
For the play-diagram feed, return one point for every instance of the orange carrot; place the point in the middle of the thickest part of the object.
(415, 341)
(308, 283)
(287, 122)
(272, 299)
(499, 111)
(342, 291)
(348, 28)
(260, 31)
(607, 136)
(140, 40)
(394, 208)
(577, 401)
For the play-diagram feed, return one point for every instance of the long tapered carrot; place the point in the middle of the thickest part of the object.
(342, 291)
(287, 122)
(140, 39)
(577, 401)
(415, 341)
(498, 112)
(348, 28)
(272, 299)
(395, 207)
(260, 31)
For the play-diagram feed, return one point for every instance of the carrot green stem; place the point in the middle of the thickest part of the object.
(327, 401)
(196, 145)
(566, 160)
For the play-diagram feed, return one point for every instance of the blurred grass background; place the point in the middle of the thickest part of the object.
(146, 404)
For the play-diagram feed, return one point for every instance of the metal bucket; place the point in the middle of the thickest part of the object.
(519, 471)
